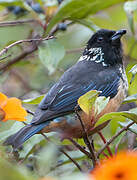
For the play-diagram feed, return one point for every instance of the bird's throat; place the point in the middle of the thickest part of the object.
(93, 54)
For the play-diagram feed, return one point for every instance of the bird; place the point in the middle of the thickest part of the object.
(100, 68)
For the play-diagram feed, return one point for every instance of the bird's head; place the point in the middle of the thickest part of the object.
(105, 46)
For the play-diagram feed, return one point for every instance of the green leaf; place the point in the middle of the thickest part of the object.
(130, 99)
(87, 101)
(50, 54)
(47, 158)
(117, 115)
(29, 146)
(88, 23)
(11, 2)
(35, 100)
(118, 140)
(132, 128)
(133, 70)
(129, 8)
(114, 124)
(79, 9)
(12, 172)
(101, 103)
(99, 127)
(14, 128)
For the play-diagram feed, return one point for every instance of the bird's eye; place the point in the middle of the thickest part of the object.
(100, 39)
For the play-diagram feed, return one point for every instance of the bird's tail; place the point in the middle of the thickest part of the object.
(17, 139)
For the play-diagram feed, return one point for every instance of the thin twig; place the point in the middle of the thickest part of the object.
(61, 150)
(105, 155)
(86, 139)
(113, 138)
(79, 147)
(104, 140)
(22, 41)
(45, 137)
(71, 159)
(18, 58)
(17, 22)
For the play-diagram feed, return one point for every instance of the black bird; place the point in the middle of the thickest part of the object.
(101, 68)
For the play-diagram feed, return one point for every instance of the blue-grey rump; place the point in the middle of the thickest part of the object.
(99, 68)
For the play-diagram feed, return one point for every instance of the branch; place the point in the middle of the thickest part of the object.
(105, 155)
(22, 41)
(86, 139)
(113, 138)
(18, 58)
(18, 22)
(71, 159)
(79, 147)
(61, 150)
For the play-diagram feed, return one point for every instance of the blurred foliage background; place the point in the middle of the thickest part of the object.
(30, 69)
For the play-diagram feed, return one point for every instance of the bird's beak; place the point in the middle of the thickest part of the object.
(118, 34)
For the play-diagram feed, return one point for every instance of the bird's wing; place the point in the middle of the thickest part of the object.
(67, 91)
(66, 99)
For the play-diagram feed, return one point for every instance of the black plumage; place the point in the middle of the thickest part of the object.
(63, 96)
(100, 67)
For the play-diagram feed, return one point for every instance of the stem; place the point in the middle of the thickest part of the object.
(17, 22)
(61, 150)
(105, 155)
(22, 41)
(18, 58)
(104, 140)
(79, 147)
(113, 138)
(78, 166)
(86, 140)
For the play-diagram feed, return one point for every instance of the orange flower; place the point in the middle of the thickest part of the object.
(123, 166)
(11, 109)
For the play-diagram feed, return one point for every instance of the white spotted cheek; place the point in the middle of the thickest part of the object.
(93, 54)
